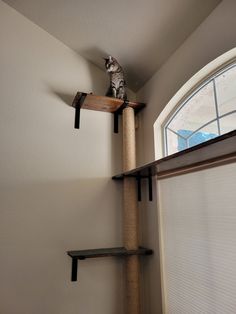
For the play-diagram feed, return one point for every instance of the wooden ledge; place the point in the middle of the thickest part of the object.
(118, 251)
(218, 151)
(103, 103)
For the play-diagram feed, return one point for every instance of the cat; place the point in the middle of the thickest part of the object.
(117, 81)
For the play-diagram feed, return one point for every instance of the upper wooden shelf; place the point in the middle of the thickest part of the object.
(215, 152)
(103, 103)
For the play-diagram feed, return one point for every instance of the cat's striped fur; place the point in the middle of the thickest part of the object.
(117, 81)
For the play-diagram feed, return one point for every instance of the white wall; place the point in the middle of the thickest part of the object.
(213, 37)
(55, 185)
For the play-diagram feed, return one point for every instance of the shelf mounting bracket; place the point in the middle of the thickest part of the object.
(139, 178)
(78, 106)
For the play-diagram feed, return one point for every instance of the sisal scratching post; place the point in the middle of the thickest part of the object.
(130, 215)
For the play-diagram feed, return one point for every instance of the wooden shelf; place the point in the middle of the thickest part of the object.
(119, 251)
(103, 103)
(107, 252)
(218, 151)
(211, 153)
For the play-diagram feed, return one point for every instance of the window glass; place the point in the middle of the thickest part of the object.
(228, 123)
(226, 90)
(173, 142)
(210, 111)
(198, 110)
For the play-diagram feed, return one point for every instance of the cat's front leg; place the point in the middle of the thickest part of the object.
(121, 93)
(114, 91)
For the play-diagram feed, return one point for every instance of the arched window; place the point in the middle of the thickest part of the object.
(208, 112)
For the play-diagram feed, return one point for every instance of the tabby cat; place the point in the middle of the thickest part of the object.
(117, 81)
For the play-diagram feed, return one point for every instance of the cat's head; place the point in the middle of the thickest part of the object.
(111, 64)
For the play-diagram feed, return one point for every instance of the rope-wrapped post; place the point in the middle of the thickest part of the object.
(130, 215)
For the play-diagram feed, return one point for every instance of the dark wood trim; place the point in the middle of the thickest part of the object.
(118, 251)
(197, 166)
(215, 152)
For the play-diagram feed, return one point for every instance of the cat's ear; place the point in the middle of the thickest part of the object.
(106, 59)
(110, 58)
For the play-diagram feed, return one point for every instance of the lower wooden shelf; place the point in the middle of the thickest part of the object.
(107, 252)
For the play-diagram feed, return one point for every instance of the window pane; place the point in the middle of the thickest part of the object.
(196, 120)
(226, 91)
(198, 110)
(228, 123)
(208, 132)
(174, 143)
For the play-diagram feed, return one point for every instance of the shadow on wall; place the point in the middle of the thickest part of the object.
(115, 139)
(95, 54)
(97, 85)
(65, 97)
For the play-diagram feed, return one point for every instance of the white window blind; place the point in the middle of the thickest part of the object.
(198, 227)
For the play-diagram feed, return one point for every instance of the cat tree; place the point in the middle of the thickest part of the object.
(215, 152)
(130, 213)
(131, 194)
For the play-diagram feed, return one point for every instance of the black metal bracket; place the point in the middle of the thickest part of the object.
(108, 252)
(139, 187)
(117, 113)
(78, 105)
(150, 188)
(74, 268)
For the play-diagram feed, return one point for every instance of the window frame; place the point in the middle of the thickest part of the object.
(211, 78)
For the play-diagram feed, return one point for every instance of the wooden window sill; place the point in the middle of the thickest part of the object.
(218, 151)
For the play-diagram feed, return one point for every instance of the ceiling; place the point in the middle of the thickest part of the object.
(140, 34)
